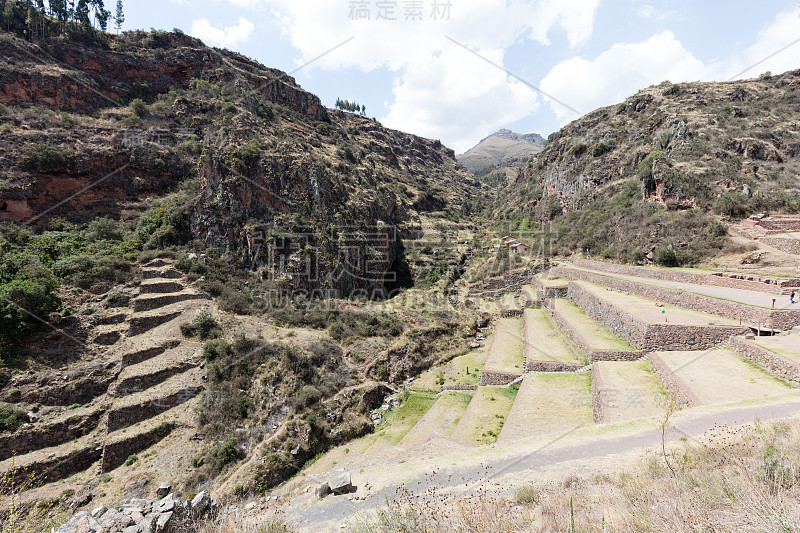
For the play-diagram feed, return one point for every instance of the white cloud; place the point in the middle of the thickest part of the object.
(763, 55)
(440, 90)
(316, 26)
(228, 37)
(441, 98)
(619, 72)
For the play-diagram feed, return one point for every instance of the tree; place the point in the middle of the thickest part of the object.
(82, 13)
(119, 17)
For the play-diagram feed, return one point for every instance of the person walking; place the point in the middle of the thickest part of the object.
(791, 297)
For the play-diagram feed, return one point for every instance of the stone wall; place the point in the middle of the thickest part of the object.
(599, 397)
(137, 357)
(458, 388)
(132, 414)
(770, 361)
(545, 291)
(747, 282)
(114, 454)
(778, 225)
(675, 387)
(748, 315)
(134, 384)
(509, 313)
(26, 440)
(532, 303)
(790, 246)
(141, 324)
(50, 469)
(154, 302)
(497, 378)
(551, 366)
(590, 353)
(647, 336)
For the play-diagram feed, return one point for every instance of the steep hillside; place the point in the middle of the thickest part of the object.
(501, 148)
(97, 126)
(189, 245)
(654, 175)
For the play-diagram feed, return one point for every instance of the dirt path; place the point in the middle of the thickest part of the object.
(754, 298)
(562, 452)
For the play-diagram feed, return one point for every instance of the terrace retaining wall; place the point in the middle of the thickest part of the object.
(742, 281)
(753, 316)
(770, 361)
(675, 386)
(590, 353)
(645, 335)
(490, 377)
(599, 397)
(551, 366)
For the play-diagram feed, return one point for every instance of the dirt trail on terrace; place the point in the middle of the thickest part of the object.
(511, 465)
(754, 298)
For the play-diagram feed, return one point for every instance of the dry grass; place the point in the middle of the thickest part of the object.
(748, 481)
(20, 515)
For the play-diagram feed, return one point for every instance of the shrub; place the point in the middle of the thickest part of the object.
(204, 326)
(578, 149)
(311, 420)
(45, 158)
(306, 397)
(349, 155)
(248, 156)
(11, 418)
(132, 458)
(666, 257)
(600, 149)
(217, 348)
(645, 169)
(733, 204)
(228, 452)
(138, 106)
(105, 478)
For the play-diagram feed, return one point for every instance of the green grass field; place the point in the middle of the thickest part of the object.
(505, 352)
(441, 418)
(543, 343)
(462, 370)
(548, 403)
(484, 418)
(595, 334)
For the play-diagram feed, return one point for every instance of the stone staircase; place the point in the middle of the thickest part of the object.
(138, 395)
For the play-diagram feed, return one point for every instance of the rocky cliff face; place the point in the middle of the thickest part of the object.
(103, 127)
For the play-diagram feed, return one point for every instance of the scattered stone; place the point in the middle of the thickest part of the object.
(322, 490)
(82, 522)
(201, 502)
(115, 520)
(164, 489)
(163, 522)
(98, 511)
(136, 489)
(341, 484)
(250, 506)
(165, 505)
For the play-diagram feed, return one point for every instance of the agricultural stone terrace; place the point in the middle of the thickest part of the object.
(533, 374)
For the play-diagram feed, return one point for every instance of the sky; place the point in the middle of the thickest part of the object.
(459, 70)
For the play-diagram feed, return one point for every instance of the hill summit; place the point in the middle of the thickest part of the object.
(504, 147)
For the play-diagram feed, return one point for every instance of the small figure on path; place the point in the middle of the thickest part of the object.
(791, 297)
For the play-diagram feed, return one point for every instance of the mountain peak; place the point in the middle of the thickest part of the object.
(502, 147)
